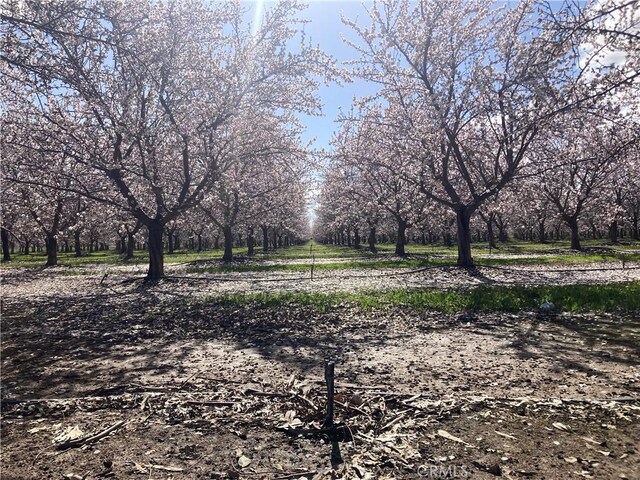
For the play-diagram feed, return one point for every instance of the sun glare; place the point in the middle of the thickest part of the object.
(257, 17)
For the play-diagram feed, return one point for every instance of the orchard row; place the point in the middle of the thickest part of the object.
(152, 122)
(488, 119)
(173, 124)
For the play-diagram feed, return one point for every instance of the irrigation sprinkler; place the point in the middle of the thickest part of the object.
(331, 432)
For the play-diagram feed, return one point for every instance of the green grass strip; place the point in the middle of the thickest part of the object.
(567, 298)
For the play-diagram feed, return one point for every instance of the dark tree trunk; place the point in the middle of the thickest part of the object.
(131, 245)
(6, 254)
(372, 239)
(170, 241)
(216, 242)
(250, 242)
(463, 220)
(575, 235)
(356, 234)
(76, 243)
(228, 244)
(490, 235)
(156, 253)
(26, 247)
(52, 251)
(613, 232)
(541, 234)
(348, 238)
(502, 228)
(401, 239)
(446, 239)
(265, 238)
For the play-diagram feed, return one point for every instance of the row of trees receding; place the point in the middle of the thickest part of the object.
(153, 120)
(520, 114)
(151, 115)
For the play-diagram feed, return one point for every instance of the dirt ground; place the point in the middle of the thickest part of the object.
(194, 389)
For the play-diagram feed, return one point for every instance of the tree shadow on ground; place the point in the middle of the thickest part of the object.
(586, 343)
(148, 333)
(78, 346)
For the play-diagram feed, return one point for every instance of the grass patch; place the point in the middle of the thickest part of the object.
(305, 267)
(378, 263)
(567, 298)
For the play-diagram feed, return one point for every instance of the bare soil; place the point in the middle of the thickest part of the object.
(205, 390)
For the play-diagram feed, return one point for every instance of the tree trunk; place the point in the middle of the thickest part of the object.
(250, 242)
(77, 246)
(200, 243)
(401, 239)
(348, 238)
(156, 254)
(265, 238)
(6, 255)
(463, 220)
(372, 239)
(613, 232)
(26, 247)
(490, 235)
(446, 239)
(131, 244)
(541, 234)
(52, 251)
(356, 234)
(575, 236)
(170, 241)
(228, 244)
(502, 233)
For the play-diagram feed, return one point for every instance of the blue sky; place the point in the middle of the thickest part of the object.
(325, 29)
